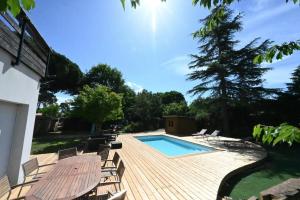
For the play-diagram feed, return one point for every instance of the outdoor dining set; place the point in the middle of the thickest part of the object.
(73, 176)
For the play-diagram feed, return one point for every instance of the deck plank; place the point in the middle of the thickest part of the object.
(150, 175)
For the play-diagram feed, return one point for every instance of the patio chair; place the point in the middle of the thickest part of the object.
(66, 153)
(114, 163)
(117, 196)
(31, 166)
(6, 188)
(118, 174)
(103, 151)
(215, 134)
(201, 133)
(107, 196)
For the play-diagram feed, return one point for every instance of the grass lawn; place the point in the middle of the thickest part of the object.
(54, 143)
(283, 163)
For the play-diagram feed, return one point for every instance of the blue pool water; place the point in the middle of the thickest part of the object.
(171, 146)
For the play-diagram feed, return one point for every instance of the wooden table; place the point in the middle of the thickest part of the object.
(68, 179)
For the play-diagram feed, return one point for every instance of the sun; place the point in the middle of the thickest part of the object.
(152, 5)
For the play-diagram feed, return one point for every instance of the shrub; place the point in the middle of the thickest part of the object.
(50, 111)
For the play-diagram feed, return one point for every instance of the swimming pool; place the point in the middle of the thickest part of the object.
(173, 147)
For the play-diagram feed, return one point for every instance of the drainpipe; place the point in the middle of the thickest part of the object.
(23, 27)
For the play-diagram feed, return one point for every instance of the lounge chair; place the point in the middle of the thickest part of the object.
(214, 134)
(31, 166)
(66, 153)
(6, 188)
(201, 133)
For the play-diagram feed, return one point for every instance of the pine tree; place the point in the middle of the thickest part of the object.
(247, 82)
(226, 74)
(294, 87)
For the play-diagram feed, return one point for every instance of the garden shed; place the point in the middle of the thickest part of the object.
(180, 125)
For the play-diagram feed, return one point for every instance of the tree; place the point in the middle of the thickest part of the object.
(63, 75)
(294, 86)
(147, 110)
(224, 72)
(98, 105)
(175, 109)
(248, 82)
(172, 97)
(128, 102)
(51, 110)
(14, 6)
(46, 97)
(103, 74)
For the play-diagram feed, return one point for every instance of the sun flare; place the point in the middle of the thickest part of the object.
(152, 5)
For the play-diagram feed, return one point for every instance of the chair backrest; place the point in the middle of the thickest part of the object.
(119, 196)
(121, 170)
(65, 153)
(116, 159)
(216, 133)
(4, 186)
(103, 151)
(30, 166)
(202, 132)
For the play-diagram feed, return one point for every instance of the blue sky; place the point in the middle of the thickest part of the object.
(150, 45)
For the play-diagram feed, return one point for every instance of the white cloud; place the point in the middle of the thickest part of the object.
(268, 13)
(61, 97)
(178, 64)
(259, 5)
(137, 88)
(279, 76)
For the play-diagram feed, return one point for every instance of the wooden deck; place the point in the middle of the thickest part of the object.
(151, 175)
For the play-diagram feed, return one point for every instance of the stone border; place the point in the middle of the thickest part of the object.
(240, 170)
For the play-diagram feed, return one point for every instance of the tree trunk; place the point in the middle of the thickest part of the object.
(224, 107)
(96, 129)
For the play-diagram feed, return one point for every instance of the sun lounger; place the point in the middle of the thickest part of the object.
(201, 133)
(214, 134)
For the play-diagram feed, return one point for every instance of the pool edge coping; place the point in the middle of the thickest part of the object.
(178, 138)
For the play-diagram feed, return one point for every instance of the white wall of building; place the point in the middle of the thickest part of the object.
(19, 89)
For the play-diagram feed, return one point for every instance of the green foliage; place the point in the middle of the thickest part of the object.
(128, 102)
(65, 75)
(278, 51)
(175, 109)
(225, 73)
(146, 110)
(284, 133)
(46, 97)
(202, 109)
(50, 111)
(172, 97)
(103, 74)
(14, 6)
(98, 105)
(133, 128)
(294, 86)
(65, 109)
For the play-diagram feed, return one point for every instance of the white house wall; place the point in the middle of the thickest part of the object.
(19, 88)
